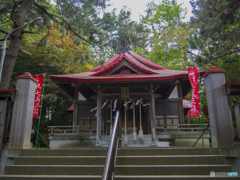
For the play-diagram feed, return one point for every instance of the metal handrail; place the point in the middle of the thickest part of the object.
(108, 172)
(41, 136)
(201, 135)
(204, 129)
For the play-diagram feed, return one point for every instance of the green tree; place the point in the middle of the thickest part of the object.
(218, 24)
(170, 47)
(78, 16)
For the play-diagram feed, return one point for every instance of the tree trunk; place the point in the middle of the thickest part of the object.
(15, 42)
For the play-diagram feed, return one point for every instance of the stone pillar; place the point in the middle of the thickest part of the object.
(21, 125)
(153, 118)
(237, 115)
(220, 117)
(99, 119)
(180, 104)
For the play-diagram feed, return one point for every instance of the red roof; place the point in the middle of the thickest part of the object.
(71, 108)
(148, 70)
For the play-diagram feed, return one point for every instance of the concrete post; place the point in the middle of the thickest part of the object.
(220, 117)
(153, 118)
(237, 115)
(99, 119)
(21, 126)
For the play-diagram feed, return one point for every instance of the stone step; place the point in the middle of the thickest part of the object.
(50, 177)
(172, 177)
(170, 169)
(77, 177)
(60, 160)
(153, 151)
(58, 152)
(171, 160)
(121, 160)
(54, 170)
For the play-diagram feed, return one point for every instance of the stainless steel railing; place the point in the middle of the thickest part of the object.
(115, 142)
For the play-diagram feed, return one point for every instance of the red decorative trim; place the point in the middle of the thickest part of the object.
(126, 79)
(109, 66)
(7, 90)
(111, 60)
(26, 75)
(213, 69)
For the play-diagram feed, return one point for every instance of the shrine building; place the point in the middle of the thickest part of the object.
(148, 96)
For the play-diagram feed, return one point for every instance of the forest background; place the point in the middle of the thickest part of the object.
(78, 35)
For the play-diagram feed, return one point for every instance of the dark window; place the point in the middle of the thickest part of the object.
(159, 108)
(171, 108)
(84, 110)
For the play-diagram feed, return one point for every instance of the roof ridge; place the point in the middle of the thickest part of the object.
(146, 61)
(139, 64)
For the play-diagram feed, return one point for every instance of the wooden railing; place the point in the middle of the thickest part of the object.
(72, 129)
(182, 127)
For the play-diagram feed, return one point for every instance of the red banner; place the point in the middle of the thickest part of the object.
(38, 96)
(193, 77)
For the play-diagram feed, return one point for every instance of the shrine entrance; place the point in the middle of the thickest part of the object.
(128, 116)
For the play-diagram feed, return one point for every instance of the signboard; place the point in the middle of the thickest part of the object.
(38, 96)
(193, 77)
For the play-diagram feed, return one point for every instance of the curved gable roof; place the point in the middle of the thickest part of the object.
(118, 58)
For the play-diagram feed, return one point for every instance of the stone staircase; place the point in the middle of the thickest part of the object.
(170, 163)
(132, 163)
(84, 163)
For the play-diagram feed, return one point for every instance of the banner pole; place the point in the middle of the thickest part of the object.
(200, 104)
(39, 118)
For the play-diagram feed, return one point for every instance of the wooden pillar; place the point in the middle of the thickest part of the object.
(134, 125)
(237, 115)
(180, 104)
(220, 117)
(99, 118)
(75, 109)
(153, 117)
